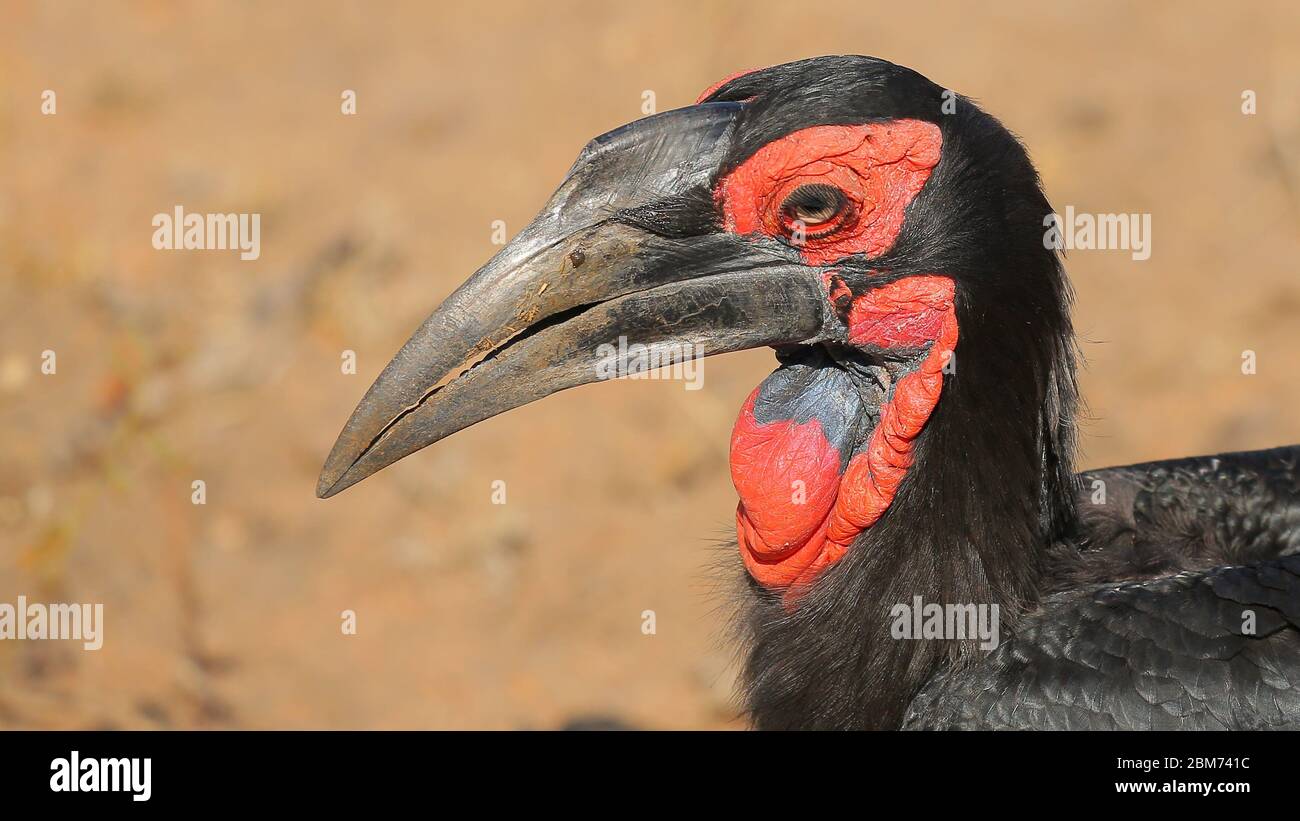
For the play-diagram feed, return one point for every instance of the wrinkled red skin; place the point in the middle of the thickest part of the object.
(880, 167)
(906, 313)
(776, 518)
(786, 537)
(786, 543)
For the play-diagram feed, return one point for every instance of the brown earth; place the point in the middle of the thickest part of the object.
(177, 366)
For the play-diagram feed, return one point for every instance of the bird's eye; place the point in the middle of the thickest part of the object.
(814, 211)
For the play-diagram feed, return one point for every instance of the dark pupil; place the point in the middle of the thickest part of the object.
(813, 204)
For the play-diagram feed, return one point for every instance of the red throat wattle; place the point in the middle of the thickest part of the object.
(807, 490)
(798, 511)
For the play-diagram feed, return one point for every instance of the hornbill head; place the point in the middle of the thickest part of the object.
(845, 211)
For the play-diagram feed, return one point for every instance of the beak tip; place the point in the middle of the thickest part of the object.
(332, 474)
(325, 485)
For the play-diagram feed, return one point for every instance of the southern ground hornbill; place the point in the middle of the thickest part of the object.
(915, 446)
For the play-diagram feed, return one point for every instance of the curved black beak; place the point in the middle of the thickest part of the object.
(620, 250)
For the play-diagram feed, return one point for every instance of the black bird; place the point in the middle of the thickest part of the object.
(906, 474)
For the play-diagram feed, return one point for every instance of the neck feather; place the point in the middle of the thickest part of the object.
(990, 487)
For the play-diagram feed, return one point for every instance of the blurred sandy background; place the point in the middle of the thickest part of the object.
(176, 366)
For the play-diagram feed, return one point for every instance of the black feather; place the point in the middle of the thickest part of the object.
(992, 513)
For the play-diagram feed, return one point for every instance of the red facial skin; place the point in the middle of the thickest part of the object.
(777, 520)
(908, 313)
(880, 167)
(708, 92)
(787, 538)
